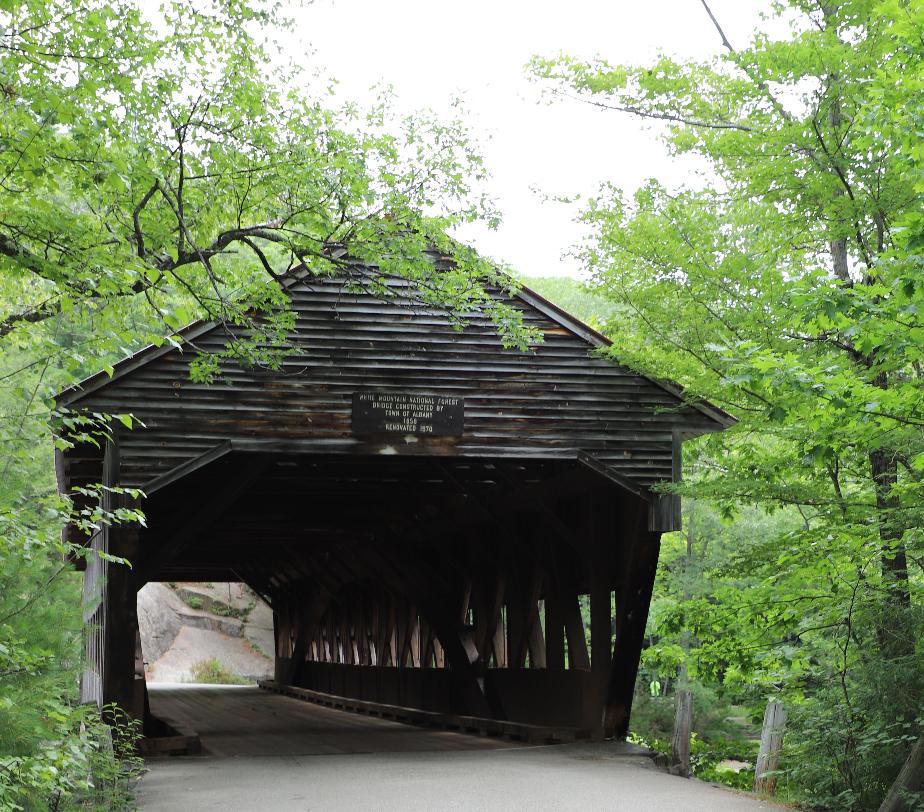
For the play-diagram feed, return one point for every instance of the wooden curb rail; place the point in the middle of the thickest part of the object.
(171, 739)
(477, 725)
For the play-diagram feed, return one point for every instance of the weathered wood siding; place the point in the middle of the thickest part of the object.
(551, 401)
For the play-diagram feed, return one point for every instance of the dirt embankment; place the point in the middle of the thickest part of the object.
(224, 626)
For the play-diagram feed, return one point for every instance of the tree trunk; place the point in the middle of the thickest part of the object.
(910, 780)
(894, 640)
(771, 742)
(680, 744)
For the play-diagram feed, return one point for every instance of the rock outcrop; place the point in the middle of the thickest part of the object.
(185, 625)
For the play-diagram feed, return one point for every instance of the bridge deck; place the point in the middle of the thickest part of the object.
(246, 721)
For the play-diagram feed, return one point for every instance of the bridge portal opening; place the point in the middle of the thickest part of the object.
(453, 587)
(204, 632)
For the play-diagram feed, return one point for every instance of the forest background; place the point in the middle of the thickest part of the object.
(159, 169)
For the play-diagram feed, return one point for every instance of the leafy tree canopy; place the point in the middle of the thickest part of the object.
(786, 286)
(159, 165)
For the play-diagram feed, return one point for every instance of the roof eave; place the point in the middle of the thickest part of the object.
(586, 332)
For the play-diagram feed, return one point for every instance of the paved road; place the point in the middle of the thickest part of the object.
(470, 776)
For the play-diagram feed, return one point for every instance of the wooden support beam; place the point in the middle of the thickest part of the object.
(536, 641)
(346, 637)
(523, 620)
(516, 624)
(574, 630)
(499, 647)
(633, 598)
(392, 634)
(600, 624)
(439, 656)
(120, 685)
(308, 610)
(426, 644)
(358, 620)
(459, 658)
(414, 639)
(554, 627)
(489, 615)
(376, 624)
(163, 546)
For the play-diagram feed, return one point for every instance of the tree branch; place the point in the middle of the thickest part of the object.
(136, 219)
(636, 111)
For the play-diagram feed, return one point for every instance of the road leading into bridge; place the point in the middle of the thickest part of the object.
(268, 752)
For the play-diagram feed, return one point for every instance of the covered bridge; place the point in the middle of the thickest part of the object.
(424, 510)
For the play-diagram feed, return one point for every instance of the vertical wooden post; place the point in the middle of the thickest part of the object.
(391, 635)
(414, 638)
(536, 638)
(680, 743)
(119, 685)
(516, 610)
(597, 537)
(639, 564)
(554, 630)
(361, 641)
(499, 646)
(771, 741)
(600, 625)
(426, 647)
(574, 629)
(346, 640)
(377, 626)
(493, 632)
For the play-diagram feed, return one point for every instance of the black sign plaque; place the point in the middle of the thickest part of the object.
(405, 413)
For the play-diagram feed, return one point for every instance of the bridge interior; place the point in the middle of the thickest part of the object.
(235, 721)
(446, 584)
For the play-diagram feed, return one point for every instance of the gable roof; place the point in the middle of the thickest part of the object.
(196, 329)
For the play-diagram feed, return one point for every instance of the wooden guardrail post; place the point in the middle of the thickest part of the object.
(771, 742)
(680, 744)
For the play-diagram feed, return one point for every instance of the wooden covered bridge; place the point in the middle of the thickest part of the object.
(424, 510)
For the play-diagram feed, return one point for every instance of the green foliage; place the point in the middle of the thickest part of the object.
(158, 167)
(50, 747)
(875, 730)
(212, 171)
(80, 762)
(214, 673)
(256, 648)
(577, 299)
(785, 287)
(706, 758)
(226, 610)
(194, 602)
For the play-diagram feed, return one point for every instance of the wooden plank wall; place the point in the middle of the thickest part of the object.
(553, 400)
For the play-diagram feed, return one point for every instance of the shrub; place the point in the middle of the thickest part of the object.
(214, 673)
(226, 610)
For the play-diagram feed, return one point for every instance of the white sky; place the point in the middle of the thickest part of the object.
(433, 51)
